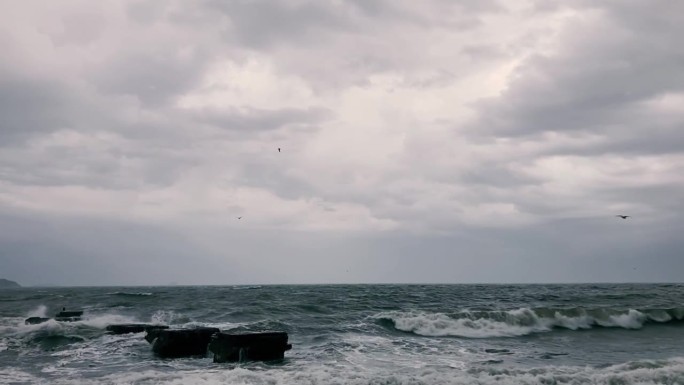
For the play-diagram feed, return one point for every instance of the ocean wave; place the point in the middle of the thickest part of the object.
(48, 341)
(15, 327)
(246, 287)
(17, 376)
(523, 321)
(169, 317)
(54, 335)
(101, 321)
(131, 294)
(638, 372)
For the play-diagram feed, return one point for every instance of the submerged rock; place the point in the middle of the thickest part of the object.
(35, 320)
(174, 343)
(62, 316)
(249, 347)
(133, 328)
(52, 342)
(498, 351)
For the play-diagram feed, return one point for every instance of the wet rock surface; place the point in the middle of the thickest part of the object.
(68, 316)
(36, 320)
(264, 346)
(133, 328)
(174, 343)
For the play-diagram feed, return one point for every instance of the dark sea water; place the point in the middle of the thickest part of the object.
(358, 334)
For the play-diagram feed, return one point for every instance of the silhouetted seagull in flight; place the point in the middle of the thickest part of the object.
(623, 216)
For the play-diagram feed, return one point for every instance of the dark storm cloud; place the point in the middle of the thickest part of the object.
(29, 106)
(81, 28)
(169, 115)
(638, 138)
(254, 120)
(496, 176)
(338, 45)
(106, 166)
(145, 11)
(66, 251)
(601, 72)
(259, 24)
(262, 24)
(155, 76)
(261, 174)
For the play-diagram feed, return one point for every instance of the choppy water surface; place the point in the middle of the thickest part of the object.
(359, 334)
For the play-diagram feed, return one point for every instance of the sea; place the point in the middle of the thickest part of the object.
(357, 334)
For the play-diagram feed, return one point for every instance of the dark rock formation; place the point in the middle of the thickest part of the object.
(35, 320)
(152, 334)
(498, 351)
(249, 347)
(68, 316)
(173, 343)
(133, 328)
(7, 284)
(62, 316)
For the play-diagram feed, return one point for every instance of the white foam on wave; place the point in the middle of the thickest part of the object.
(16, 376)
(219, 325)
(246, 287)
(633, 319)
(440, 325)
(16, 327)
(165, 317)
(101, 352)
(662, 316)
(102, 320)
(377, 351)
(642, 373)
(573, 323)
(132, 294)
(517, 322)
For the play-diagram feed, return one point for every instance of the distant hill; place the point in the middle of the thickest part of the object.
(6, 284)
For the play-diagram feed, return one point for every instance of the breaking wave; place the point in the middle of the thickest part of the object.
(127, 294)
(637, 373)
(246, 287)
(524, 321)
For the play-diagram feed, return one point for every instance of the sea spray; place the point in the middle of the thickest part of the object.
(639, 372)
(132, 294)
(40, 311)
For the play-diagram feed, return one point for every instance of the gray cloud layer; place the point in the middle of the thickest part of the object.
(421, 142)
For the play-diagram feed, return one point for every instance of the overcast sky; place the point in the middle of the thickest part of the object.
(422, 141)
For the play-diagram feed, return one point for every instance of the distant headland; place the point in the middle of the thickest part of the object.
(7, 284)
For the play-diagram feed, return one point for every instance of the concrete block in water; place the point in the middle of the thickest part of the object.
(35, 320)
(62, 316)
(68, 316)
(173, 343)
(133, 328)
(152, 334)
(249, 346)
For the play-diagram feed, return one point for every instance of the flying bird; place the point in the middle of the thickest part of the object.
(623, 216)
(278, 149)
(239, 217)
